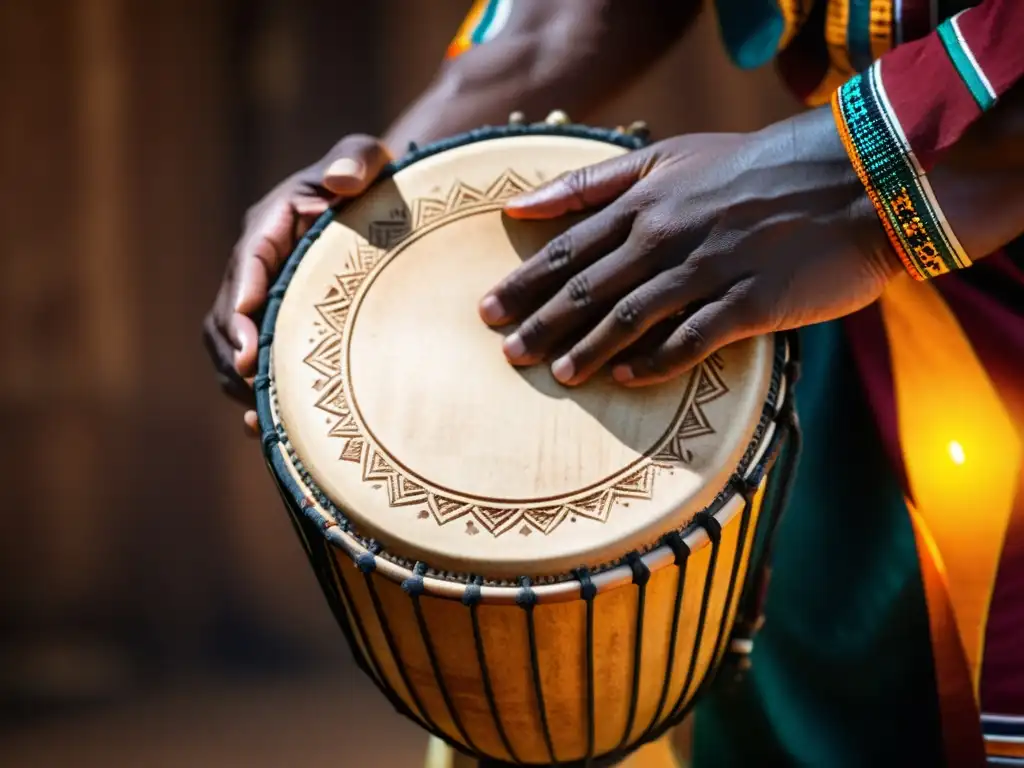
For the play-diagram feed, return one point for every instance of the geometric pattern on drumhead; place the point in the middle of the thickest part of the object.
(325, 358)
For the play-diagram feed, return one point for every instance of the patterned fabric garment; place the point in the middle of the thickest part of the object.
(895, 615)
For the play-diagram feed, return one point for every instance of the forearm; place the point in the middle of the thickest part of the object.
(571, 55)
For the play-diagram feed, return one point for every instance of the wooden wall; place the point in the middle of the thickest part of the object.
(136, 522)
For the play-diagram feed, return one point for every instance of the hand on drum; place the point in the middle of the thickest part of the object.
(697, 242)
(272, 228)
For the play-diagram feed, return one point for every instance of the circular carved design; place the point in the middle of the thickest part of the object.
(397, 404)
(403, 486)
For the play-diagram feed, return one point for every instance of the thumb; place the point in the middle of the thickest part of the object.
(356, 161)
(583, 188)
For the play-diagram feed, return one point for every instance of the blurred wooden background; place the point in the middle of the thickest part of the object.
(140, 538)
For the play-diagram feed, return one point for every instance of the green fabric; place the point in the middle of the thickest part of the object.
(842, 670)
(965, 65)
(751, 30)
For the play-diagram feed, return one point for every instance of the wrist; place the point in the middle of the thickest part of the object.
(812, 146)
(898, 188)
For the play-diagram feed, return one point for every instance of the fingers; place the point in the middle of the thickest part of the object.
(245, 336)
(358, 160)
(530, 285)
(221, 351)
(582, 301)
(272, 229)
(275, 228)
(308, 209)
(259, 255)
(583, 188)
(707, 330)
(630, 321)
(252, 424)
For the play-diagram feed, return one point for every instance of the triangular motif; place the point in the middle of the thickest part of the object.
(367, 256)
(350, 282)
(709, 386)
(509, 184)
(335, 312)
(426, 210)
(376, 467)
(445, 510)
(402, 492)
(353, 451)
(546, 520)
(463, 195)
(497, 520)
(638, 485)
(595, 507)
(674, 453)
(333, 400)
(345, 427)
(326, 356)
(694, 424)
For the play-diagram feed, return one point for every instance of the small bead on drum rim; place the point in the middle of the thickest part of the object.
(557, 117)
(741, 646)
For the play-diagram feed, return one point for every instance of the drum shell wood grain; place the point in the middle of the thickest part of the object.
(391, 645)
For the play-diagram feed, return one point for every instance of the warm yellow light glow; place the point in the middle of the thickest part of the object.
(956, 452)
(934, 382)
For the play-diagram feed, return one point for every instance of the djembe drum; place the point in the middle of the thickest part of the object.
(535, 574)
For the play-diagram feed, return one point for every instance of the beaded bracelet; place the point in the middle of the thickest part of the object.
(894, 180)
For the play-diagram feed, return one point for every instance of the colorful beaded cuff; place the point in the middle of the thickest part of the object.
(893, 178)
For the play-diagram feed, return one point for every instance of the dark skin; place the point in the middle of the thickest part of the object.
(569, 55)
(716, 227)
(702, 240)
(695, 242)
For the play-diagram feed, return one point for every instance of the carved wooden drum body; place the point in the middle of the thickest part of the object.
(535, 574)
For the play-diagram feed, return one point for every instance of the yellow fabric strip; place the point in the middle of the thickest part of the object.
(794, 13)
(463, 39)
(961, 450)
(837, 18)
(958, 707)
(881, 27)
(997, 747)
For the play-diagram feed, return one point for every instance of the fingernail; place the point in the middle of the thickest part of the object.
(346, 166)
(562, 369)
(234, 334)
(519, 202)
(622, 373)
(514, 347)
(491, 309)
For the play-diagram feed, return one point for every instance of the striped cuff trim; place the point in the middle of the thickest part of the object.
(966, 64)
(894, 179)
(1004, 738)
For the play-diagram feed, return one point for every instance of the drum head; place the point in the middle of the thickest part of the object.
(396, 400)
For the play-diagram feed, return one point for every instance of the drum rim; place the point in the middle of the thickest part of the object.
(303, 495)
